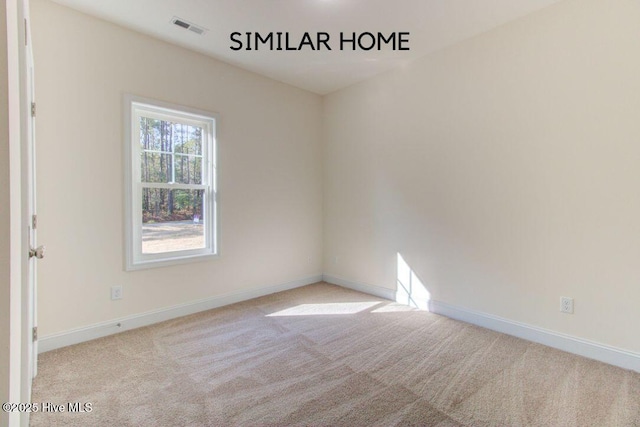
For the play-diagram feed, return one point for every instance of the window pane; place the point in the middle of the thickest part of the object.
(187, 139)
(155, 135)
(188, 169)
(172, 220)
(156, 167)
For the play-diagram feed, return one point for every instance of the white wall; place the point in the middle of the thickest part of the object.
(270, 180)
(505, 170)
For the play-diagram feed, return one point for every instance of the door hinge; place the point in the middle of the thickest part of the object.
(35, 333)
(34, 222)
(33, 109)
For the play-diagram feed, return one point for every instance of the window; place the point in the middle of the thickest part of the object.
(171, 184)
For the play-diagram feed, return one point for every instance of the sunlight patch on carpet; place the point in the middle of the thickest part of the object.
(326, 309)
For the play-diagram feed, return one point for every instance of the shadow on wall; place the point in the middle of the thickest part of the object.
(409, 289)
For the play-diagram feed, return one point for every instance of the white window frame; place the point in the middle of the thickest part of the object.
(134, 108)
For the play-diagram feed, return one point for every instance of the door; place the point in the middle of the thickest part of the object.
(35, 252)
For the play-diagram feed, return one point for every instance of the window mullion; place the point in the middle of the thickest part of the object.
(176, 186)
(173, 161)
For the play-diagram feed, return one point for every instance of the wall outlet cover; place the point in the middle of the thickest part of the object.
(566, 305)
(116, 292)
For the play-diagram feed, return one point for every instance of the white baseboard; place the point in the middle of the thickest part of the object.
(98, 330)
(377, 291)
(592, 350)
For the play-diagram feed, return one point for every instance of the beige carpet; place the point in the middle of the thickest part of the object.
(323, 355)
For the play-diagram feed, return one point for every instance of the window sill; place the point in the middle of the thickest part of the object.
(167, 262)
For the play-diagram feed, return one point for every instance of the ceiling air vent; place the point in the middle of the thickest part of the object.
(188, 25)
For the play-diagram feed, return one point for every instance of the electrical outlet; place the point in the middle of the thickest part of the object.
(116, 292)
(566, 305)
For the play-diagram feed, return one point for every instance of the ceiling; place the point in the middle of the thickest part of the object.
(433, 24)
